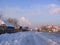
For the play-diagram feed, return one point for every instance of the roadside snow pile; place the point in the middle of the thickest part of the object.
(25, 38)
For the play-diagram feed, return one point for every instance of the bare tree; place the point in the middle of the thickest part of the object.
(1, 16)
(13, 21)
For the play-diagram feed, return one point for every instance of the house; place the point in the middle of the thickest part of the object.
(58, 28)
(6, 27)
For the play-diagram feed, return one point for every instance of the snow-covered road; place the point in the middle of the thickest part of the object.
(29, 38)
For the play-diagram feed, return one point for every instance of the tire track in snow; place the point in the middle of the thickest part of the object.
(39, 41)
(50, 41)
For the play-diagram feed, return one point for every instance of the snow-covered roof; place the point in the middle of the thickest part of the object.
(1, 22)
(6, 23)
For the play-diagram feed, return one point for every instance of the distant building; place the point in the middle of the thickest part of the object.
(50, 26)
(54, 30)
(58, 28)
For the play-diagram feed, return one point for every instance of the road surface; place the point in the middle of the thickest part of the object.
(30, 38)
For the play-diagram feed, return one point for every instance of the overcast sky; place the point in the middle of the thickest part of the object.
(35, 11)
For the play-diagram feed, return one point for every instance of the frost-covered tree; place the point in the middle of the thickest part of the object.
(13, 21)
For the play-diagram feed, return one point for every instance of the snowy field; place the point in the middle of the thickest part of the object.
(29, 38)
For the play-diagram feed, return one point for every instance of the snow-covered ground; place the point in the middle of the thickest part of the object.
(29, 38)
